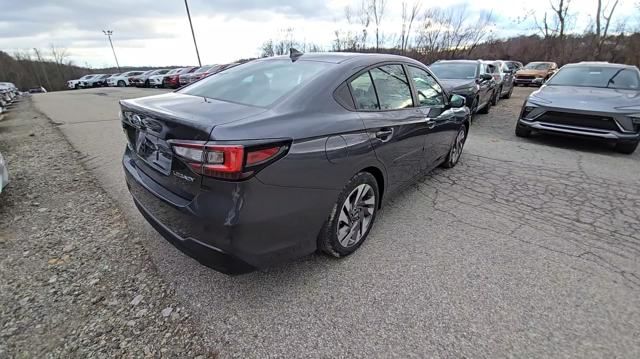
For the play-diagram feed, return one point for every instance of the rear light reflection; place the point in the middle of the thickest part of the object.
(259, 156)
(224, 161)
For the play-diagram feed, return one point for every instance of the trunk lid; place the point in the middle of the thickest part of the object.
(151, 122)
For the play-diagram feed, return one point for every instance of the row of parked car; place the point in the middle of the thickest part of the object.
(484, 82)
(168, 78)
(9, 93)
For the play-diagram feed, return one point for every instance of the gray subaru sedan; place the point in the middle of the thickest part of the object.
(277, 158)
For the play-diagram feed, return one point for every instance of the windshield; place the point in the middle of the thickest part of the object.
(596, 76)
(454, 71)
(259, 83)
(538, 66)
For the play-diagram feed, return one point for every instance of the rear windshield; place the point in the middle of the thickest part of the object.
(454, 71)
(608, 77)
(259, 83)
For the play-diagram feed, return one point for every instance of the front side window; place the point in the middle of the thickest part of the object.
(429, 91)
(258, 83)
(363, 93)
(392, 87)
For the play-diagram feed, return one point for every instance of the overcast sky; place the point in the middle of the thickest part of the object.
(148, 32)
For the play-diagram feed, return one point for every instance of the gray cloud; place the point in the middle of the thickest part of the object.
(30, 18)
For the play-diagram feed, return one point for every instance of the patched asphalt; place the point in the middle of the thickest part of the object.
(528, 248)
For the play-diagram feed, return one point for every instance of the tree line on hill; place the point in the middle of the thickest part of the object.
(426, 34)
(436, 33)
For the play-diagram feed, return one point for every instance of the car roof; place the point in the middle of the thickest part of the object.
(341, 57)
(601, 64)
(474, 62)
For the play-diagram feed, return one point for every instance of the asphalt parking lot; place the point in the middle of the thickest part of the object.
(528, 248)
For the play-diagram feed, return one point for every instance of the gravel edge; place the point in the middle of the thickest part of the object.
(74, 281)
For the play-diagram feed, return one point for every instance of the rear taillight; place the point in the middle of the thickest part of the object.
(227, 161)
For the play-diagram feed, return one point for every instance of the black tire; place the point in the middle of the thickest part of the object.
(485, 110)
(455, 152)
(522, 131)
(121, 83)
(627, 147)
(496, 96)
(77, 86)
(328, 241)
(508, 95)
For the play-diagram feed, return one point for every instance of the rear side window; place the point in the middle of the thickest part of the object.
(392, 87)
(364, 93)
(429, 91)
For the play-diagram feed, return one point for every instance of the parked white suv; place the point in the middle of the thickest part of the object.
(75, 84)
(155, 80)
(122, 80)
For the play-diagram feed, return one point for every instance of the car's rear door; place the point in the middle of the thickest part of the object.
(395, 126)
(486, 85)
(433, 105)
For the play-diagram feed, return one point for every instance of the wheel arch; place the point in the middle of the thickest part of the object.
(379, 176)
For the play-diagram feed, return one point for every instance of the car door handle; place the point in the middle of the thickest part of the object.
(431, 123)
(384, 134)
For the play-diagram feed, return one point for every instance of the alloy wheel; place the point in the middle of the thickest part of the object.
(458, 145)
(356, 215)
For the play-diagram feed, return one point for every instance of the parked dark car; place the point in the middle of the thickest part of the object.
(472, 79)
(588, 99)
(282, 156)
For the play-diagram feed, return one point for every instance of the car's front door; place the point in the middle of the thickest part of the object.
(396, 127)
(433, 105)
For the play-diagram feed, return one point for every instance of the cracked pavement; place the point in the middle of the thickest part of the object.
(528, 248)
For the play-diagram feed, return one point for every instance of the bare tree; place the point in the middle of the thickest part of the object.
(59, 56)
(561, 11)
(364, 19)
(408, 17)
(377, 10)
(603, 14)
(41, 62)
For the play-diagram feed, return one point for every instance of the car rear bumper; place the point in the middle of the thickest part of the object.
(614, 136)
(234, 227)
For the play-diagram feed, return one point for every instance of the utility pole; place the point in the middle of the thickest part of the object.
(192, 33)
(109, 33)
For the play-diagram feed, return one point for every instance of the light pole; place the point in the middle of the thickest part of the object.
(109, 33)
(193, 33)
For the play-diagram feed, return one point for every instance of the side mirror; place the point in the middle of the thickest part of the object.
(457, 101)
(486, 77)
